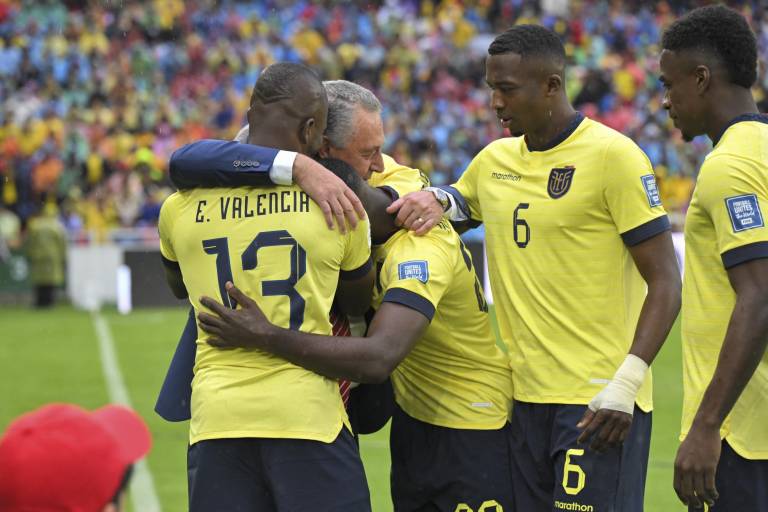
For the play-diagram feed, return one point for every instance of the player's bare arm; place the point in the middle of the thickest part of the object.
(174, 279)
(744, 346)
(353, 296)
(609, 417)
(393, 332)
(335, 198)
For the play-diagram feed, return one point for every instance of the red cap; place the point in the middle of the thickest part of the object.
(64, 458)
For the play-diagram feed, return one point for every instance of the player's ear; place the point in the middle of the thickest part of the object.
(250, 117)
(307, 130)
(703, 77)
(325, 149)
(554, 84)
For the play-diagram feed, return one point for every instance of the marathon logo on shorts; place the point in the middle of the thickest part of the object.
(744, 212)
(560, 179)
(651, 190)
(564, 505)
(418, 269)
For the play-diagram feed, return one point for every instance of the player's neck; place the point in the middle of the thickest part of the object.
(727, 107)
(274, 139)
(382, 223)
(556, 121)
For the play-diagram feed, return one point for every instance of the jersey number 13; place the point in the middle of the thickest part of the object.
(249, 258)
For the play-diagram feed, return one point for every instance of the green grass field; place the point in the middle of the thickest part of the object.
(54, 356)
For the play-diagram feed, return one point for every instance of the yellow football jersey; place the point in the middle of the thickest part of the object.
(398, 179)
(557, 224)
(725, 226)
(455, 376)
(267, 242)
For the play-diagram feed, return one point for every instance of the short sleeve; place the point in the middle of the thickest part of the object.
(631, 193)
(357, 254)
(416, 274)
(168, 212)
(398, 180)
(464, 191)
(736, 201)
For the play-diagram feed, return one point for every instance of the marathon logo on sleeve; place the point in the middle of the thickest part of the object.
(651, 190)
(744, 212)
(418, 270)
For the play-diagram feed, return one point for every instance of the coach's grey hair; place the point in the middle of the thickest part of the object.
(343, 99)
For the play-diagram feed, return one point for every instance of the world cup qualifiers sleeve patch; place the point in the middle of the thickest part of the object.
(418, 269)
(744, 212)
(651, 190)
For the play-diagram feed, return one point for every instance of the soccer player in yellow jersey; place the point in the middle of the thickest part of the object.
(355, 133)
(265, 434)
(450, 433)
(575, 230)
(482, 478)
(708, 64)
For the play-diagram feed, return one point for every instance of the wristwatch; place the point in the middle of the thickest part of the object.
(441, 196)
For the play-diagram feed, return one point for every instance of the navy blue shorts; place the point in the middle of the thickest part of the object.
(449, 470)
(741, 483)
(281, 475)
(553, 473)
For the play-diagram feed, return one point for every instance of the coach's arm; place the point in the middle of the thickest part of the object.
(393, 332)
(217, 163)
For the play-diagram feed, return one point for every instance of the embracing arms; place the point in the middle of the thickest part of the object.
(393, 332)
(219, 163)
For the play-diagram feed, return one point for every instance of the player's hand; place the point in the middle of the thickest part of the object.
(695, 466)
(606, 428)
(417, 211)
(334, 197)
(608, 417)
(244, 327)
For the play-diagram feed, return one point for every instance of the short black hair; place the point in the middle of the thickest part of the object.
(720, 32)
(344, 171)
(285, 80)
(529, 41)
(375, 201)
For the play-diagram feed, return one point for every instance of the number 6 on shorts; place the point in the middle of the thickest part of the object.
(570, 468)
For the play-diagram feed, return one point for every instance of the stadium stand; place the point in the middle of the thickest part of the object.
(95, 95)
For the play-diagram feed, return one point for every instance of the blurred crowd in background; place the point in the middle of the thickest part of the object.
(94, 96)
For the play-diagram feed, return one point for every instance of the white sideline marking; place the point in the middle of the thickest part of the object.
(143, 492)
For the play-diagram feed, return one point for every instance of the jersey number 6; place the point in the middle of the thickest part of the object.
(249, 258)
(521, 230)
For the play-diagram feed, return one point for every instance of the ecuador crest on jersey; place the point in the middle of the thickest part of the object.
(560, 179)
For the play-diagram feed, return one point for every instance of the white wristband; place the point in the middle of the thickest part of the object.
(620, 393)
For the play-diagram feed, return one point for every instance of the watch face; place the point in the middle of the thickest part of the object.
(442, 198)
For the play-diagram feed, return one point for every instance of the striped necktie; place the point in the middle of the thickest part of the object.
(340, 327)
